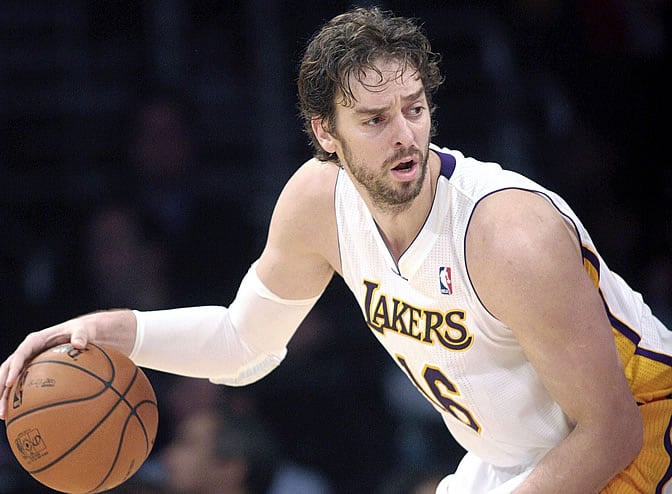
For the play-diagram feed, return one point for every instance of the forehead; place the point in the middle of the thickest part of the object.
(389, 79)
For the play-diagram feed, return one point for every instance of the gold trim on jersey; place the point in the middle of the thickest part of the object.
(649, 373)
(651, 470)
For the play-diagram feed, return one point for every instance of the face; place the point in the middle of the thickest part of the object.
(192, 466)
(189, 456)
(382, 138)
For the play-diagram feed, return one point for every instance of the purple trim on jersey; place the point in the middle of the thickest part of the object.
(626, 331)
(658, 357)
(616, 323)
(447, 163)
(668, 473)
(619, 325)
(590, 256)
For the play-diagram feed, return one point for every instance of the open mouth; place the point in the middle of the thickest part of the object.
(404, 165)
(405, 169)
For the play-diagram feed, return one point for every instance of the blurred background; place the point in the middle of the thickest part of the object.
(144, 143)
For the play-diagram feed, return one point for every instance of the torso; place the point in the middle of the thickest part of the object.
(424, 310)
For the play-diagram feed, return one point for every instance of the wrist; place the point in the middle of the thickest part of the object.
(115, 328)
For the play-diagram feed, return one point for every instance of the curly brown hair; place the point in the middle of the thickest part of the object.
(350, 44)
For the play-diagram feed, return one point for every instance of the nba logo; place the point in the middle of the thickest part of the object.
(445, 280)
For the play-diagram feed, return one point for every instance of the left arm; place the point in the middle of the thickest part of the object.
(554, 310)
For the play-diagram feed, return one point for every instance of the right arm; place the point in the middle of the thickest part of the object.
(293, 270)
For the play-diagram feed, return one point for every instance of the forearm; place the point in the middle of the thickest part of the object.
(582, 463)
(235, 345)
(196, 342)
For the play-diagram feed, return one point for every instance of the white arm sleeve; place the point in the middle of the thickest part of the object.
(234, 346)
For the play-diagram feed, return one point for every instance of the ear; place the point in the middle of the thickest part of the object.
(324, 137)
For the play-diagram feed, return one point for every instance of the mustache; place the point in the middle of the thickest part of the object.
(411, 152)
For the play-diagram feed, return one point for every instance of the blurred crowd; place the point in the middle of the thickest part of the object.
(202, 134)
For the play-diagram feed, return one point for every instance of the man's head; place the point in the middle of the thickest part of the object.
(349, 46)
(219, 452)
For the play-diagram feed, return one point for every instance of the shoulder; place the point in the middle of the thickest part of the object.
(304, 219)
(518, 235)
(309, 192)
(313, 181)
(509, 204)
(515, 220)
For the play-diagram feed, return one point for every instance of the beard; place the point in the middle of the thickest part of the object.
(386, 195)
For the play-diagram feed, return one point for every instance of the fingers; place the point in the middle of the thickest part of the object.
(5, 390)
(33, 344)
(9, 372)
(73, 331)
(11, 368)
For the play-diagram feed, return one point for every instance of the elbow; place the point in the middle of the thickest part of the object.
(618, 433)
(630, 433)
(253, 370)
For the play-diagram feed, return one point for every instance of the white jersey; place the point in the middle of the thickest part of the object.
(423, 309)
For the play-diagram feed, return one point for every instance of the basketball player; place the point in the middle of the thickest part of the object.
(483, 286)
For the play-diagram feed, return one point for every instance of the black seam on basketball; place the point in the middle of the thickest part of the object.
(122, 436)
(93, 429)
(79, 442)
(123, 395)
(121, 398)
(141, 422)
(116, 454)
(107, 385)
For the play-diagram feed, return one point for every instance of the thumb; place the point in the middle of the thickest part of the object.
(79, 339)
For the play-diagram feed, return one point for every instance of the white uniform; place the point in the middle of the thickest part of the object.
(426, 314)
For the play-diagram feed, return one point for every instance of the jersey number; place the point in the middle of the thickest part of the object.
(442, 389)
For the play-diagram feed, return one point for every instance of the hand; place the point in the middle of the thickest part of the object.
(74, 331)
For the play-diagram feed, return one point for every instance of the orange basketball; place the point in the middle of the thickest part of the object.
(82, 421)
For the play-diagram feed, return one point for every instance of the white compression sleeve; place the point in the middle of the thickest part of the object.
(234, 346)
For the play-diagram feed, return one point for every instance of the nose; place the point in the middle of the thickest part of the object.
(402, 132)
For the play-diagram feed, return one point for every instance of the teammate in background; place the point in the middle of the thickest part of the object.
(483, 286)
(222, 451)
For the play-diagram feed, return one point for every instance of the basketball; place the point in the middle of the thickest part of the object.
(81, 421)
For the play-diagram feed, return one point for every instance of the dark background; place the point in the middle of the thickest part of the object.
(571, 93)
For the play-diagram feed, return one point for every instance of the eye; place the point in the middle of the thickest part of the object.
(373, 121)
(416, 111)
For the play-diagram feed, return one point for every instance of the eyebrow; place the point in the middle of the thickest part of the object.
(375, 110)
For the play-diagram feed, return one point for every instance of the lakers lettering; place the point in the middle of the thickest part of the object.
(427, 326)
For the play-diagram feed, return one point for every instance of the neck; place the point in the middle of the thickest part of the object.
(399, 228)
